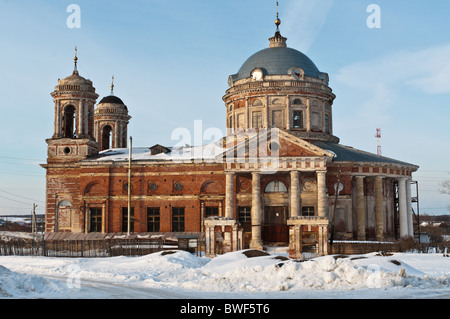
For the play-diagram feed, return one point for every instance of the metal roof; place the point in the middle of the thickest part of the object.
(350, 154)
(277, 61)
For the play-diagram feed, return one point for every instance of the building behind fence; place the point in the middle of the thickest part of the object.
(118, 244)
(89, 245)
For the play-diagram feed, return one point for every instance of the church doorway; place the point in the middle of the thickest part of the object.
(275, 228)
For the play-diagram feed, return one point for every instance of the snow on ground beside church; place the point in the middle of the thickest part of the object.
(231, 275)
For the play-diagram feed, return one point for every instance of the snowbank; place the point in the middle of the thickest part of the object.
(232, 272)
(16, 285)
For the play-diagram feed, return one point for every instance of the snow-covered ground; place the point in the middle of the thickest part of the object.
(234, 275)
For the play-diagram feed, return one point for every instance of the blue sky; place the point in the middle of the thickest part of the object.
(171, 61)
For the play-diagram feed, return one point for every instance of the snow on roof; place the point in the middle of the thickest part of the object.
(207, 152)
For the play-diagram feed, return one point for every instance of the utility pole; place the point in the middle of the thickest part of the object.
(33, 219)
(337, 188)
(129, 185)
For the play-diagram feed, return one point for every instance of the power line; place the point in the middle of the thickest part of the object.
(14, 200)
(34, 200)
(9, 163)
(20, 174)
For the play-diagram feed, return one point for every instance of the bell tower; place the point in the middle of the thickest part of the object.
(111, 122)
(73, 137)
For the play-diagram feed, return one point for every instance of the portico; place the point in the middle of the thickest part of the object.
(290, 174)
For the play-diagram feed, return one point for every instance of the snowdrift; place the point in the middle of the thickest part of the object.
(16, 285)
(237, 272)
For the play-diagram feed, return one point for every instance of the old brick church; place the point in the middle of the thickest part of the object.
(278, 162)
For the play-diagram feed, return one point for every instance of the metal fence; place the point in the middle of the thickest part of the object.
(84, 248)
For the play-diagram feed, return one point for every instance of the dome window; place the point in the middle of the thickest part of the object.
(297, 101)
(298, 73)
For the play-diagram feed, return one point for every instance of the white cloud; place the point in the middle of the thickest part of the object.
(426, 70)
(379, 83)
(303, 20)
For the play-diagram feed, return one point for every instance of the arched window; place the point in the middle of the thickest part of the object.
(106, 137)
(64, 203)
(69, 122)
(297, 101)
(276, 187)
(257, 103)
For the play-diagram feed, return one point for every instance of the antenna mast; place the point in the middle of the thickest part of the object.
(378, 136)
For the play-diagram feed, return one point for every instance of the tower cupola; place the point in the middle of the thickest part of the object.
(111, 122)
(74, 98)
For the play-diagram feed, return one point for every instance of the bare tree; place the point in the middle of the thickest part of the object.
(445, 188)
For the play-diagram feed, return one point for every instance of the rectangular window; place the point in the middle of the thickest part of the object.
(178, 219)
(327, 123)
(211, 211)
(245, 215)
(241, 121)
(257, 119)
(308, 211)
(315, 120)
(245, 218)
(298, 119)
(277, 119)
(125, 219)
(96, 219)
(153, 219)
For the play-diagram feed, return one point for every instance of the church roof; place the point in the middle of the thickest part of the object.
(111, 99)
(215, 150)
(277, 61)
(350, 154)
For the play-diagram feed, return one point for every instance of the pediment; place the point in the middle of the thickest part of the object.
(271, 143)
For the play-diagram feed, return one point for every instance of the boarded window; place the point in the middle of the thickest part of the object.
(277, 118)
(315, 120)
(257, 119)
(241, 121)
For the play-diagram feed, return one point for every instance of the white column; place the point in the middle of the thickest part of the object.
(229, 195)
(202, 216)
(360, 209)
(80, 119)
(295, 194)
(86, 118)
(256, 241)
(402, 207)
(58, 119)
(115, 136)
(379, 208)
(321, 194)
(409, 208)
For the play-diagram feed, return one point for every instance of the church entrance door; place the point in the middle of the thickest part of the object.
(275, 228)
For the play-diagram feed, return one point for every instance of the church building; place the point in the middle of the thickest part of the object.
(278, 163)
